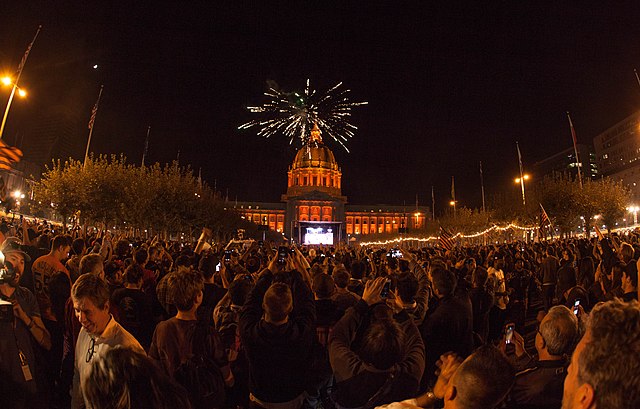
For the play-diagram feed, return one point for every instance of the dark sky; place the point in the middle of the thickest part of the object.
(448, 86)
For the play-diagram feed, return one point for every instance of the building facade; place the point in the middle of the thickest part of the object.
(314, 196)
(565, 163)
(618, 153)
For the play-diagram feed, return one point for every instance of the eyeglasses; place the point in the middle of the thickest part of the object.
(91, 350)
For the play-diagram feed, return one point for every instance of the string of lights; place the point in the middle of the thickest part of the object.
(455, 236)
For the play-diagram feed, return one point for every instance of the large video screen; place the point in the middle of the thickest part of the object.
(318, 235)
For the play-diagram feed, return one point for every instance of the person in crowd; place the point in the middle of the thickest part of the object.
(566, 275)
(78, 250)
(125, 379)
(549, 267)
(498, 314)
(133, 307)
(540, 385)
(413, 288)
(519, 282)
(277, 329)
(100, 331)
(212, 292)
(343, 297)
(22, 331)
(44, 268)
(389, 362)
(481, 303)
(605, 364)
(630, 285)
(481, 381)
(449, 326)
(92, 264)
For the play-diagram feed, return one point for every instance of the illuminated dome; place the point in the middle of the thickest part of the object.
(315, 154)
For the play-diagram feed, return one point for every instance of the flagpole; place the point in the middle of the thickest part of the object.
(453, 195)
(482, 187)
(15, 83)
(637, 77)
(433, 204)
(524, 200)
(146, 146)
(575, 148)
(94, 112)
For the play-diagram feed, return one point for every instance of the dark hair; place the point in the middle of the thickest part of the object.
(182, 261)
(407, 286)
(184, 288)
(122, 248)
(141, 256)
(357, 270)
(133, 274)
(484, 379)
(444, 281)
(278, 301)
(60, 241)
(383, 344)
(323, 286)
(89, 262)
(92, 287)
(239, 291)
(125, 379)
(632, 273)
(110, 270)
(207, 265)
(341, 277)
(78, 246)
(479, 277)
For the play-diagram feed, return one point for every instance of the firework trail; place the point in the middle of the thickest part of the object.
(293, 114)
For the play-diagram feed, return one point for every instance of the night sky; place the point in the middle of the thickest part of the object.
(448, 86)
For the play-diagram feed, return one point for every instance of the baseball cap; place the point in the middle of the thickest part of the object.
(13, 245)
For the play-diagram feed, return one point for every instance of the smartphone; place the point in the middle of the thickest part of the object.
(227, 255)
(508, 333)
(260, 243)
(283, 252)
(218, 267)
(575, 307)
(385, 289)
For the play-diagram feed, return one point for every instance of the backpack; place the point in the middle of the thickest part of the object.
(199, 374)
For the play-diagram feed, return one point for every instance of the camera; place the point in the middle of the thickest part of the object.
(575, 307)
(6, 311)
(385, 289)
(283, 252)
(227, 255)
(7, 273)
(508, 333)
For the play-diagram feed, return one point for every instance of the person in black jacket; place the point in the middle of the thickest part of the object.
(389, 361)
(277, 330)
(449, 327)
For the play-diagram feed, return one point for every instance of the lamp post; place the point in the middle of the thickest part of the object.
(8, 81)
(520, 181)
(21, 93)
(453, 203)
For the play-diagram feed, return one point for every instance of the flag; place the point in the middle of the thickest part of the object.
(545, 222)
(599, 233)
(8, 155)
(446, 239)
(94, 111)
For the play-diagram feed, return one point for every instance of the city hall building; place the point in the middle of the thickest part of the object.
(314, 211)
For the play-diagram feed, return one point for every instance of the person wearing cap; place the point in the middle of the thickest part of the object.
(20, 332)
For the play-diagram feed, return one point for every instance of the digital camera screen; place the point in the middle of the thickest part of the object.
(318, 235)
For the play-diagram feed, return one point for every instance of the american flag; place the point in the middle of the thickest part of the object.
(446, 239)
(8, 155)
(94, 111)
(545, 221)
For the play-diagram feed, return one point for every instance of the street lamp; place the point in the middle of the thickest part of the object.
(453, 203)
(521, 180)
(21, 92)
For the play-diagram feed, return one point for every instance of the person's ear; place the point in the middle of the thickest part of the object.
(450, 393)
(585, 396)
(106, 305)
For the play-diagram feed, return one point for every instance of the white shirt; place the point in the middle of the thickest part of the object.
(113, 335)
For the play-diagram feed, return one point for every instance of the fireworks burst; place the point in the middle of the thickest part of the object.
(294, 114)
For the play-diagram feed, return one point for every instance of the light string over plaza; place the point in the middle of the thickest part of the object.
(455, 236)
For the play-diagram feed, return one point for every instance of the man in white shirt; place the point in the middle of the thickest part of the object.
(99, 333)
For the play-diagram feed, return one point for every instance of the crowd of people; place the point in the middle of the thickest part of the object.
(105, 321)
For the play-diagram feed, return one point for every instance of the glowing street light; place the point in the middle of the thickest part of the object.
(520, 181)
